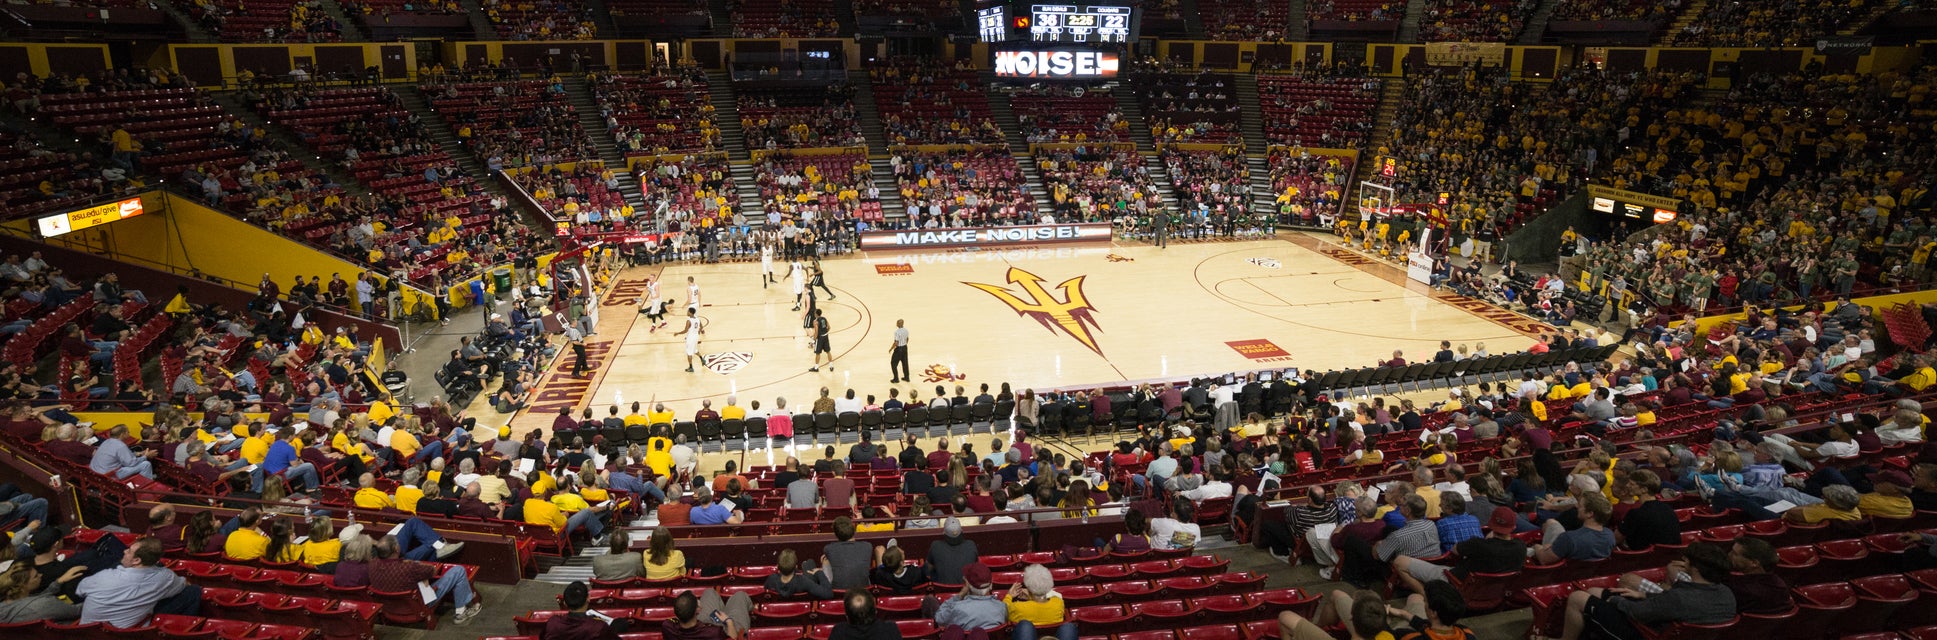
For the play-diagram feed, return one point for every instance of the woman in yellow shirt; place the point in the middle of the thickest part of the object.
(1034, 602)
(593, 488)
(663, 562)
(347, 442)
(1738, 380)
(322, 549)
(281, 546)
(1537, 408)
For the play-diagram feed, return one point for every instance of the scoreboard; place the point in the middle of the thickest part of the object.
(1633, 205)
(1080, 23)
(993, 23)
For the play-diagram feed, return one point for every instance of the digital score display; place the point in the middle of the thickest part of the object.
(1632, 205)
(993, 23)
(1081, 23)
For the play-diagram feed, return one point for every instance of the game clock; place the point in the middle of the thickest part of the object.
(1081, 23)
(1109, 23)
(992, 23)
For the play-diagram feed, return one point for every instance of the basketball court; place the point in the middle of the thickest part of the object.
(1045, 317)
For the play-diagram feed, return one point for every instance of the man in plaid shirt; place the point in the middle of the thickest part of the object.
(1455, 524)
(394, 574)
(1419, 538)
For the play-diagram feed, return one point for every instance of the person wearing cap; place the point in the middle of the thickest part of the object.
(578, 623)
(506, 447)
(976, 606)
(1498, 552)
(950, 555)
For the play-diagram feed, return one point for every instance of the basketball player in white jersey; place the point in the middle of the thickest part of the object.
(766, 261)
(653, 306)
(692, 296)
(691, 332)
(799, 276)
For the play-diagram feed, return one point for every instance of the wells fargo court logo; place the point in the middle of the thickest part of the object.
(1072, 314)
(1260, 350)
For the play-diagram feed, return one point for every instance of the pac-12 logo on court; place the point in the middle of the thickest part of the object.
(1268, 263)
(1072, 314)
(727, 363)
(941, 373)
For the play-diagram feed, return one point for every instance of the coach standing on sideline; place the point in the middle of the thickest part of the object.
(898, 354)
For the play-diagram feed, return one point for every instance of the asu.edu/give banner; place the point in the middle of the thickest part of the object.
(987, 236)
(1260, 350)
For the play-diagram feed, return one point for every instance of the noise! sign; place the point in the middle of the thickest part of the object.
(1056, 64)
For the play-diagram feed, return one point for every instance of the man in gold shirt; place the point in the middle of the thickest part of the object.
(246, 542)
(539, 509)
(368, 496)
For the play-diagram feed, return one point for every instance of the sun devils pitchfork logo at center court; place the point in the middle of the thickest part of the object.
(1072, 314)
